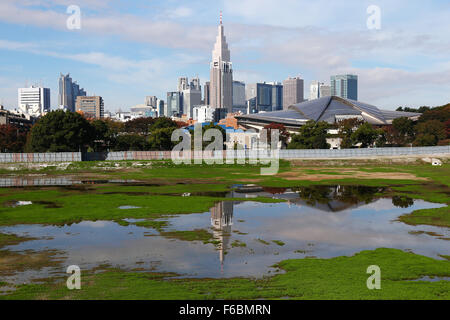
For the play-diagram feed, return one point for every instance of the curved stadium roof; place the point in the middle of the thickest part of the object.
(325, 109)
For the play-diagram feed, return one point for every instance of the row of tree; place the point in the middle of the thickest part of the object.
(431, 129)
(60, 131)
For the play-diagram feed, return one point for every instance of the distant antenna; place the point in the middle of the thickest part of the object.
(220, 16)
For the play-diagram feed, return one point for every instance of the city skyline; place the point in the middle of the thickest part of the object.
(402, 64)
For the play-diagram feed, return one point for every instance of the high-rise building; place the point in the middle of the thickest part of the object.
(344, 86)
(221, 74)
(318, 90)
(160, 107)
(68, 92)
(324, 90)
(264, 96)
(238, 96)
(34, 101)
(151, 101)
(292, 91)
(206, 95)
(190, 95)
(183, 83)
(173, 107)
(277, 96)
(90, 107)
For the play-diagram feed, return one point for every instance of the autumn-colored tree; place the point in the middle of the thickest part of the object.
(441, 114)
(283, 133)
(12, 138)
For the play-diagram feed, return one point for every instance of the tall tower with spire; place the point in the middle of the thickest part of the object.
(221, 73)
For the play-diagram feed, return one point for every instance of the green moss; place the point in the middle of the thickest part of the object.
(190, 235)
(278, 242)
(435, 217)
(155, 224)
(238, 244)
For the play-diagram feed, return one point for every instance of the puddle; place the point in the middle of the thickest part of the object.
(432, 279)
(241, 238)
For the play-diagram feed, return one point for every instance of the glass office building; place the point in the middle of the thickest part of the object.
(345, 86)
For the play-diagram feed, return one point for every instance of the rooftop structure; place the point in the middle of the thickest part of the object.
(331, 109)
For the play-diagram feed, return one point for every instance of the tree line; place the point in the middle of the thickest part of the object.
(64, 131)
(431, 129)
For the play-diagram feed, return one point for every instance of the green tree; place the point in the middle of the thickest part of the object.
(130, 142)
(163, 122)
(429, 133)
(346, 129)
(365, 134)
(160, 139)
(105, 133)
(139, 125)
(402, 131)
(205, 143)
(312, 135)
(60, 131)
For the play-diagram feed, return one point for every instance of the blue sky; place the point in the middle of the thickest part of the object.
(126, 50)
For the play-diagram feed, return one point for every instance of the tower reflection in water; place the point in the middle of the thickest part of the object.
(221, 221)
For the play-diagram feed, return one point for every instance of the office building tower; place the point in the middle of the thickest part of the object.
(292, 91)
(277, 96)
(151, 101)
(173, 107)
(264, 96)
(221, 74)
(239, 96)
(206, 95)
(34, 101)
(160, 107)
(90, 106)
(318, 90)
(183, 83)
(345, 86)
(324, 90)
(68, 92)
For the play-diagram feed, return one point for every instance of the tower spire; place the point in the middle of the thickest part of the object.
(220, 16)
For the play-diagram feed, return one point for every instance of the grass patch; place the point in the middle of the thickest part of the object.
(278, 242)
(336, 278)
(436, 217)
(238, 244)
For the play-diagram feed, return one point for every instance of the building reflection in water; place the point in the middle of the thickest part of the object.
(221, 221)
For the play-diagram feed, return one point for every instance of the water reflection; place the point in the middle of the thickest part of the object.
(320, 221)
(221, 221)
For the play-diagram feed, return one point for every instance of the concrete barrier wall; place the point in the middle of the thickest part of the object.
(40, 157)
(230, 154)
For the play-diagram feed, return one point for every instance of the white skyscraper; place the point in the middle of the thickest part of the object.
(318, 90)
(221, 74)
(34, 101)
